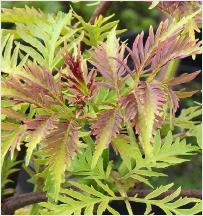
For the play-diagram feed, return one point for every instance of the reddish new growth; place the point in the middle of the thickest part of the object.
(78, 80)
(75, 67)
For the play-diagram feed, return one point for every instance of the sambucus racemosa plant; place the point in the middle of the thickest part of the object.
(70, 108)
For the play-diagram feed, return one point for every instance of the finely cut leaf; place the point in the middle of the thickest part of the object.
(103, 58)
(183, 78)
(22, 15)
(45, 124)
(35, 86)
(81, 199)
(8, 168)
(45, 34)
(79, 80)
(61, 145)
(181, 9)
(153, 53)
(13, 140)
(9, 58)
(167, 204)
(141, 179)
(96, 33)
(170, 151)
(127, 151)
(105, 129)
(150, 99)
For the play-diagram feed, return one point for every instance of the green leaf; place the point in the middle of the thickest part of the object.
(105, 187)
(149, 173)
(187, 116)
(128, 152)
(197, 132)
(46, 37)
(10, 65)
(74, 194)
(172, 196)
(97, 32)
(167, 204)
(22, 15)
(148, 209)
(112, 211)
(102, 207)
(81, 165)
(182, 201)
(171, 151)
(8, 168)
(159, 191)
(141, 179)
(194, 210)
(12, 140)
(89, 210)
(87, 189)
(157, 143)
(81, 199)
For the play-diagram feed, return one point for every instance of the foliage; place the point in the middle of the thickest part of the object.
(73, 109)
(95, 33)
(8, 168)
(10, 63)
(92, 201)
(180, 9)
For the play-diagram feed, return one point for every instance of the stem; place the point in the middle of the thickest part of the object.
(128, 206)
(16, 202)
(124, 197)
(170, 72)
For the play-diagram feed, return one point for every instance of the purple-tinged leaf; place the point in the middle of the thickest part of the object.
(79, 80)
(36, 86)
(162, 46)
(106, 127)
(108, 58)
(130, 106)
(61, 145)
(178, 48)
(174, 101)
(144, 107)
(184, 78)
(40, 128)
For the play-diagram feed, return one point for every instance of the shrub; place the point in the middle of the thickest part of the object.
(73, 108)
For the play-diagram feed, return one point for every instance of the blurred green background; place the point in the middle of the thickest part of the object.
(134, 16)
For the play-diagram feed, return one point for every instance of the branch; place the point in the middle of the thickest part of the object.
(10, 205)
